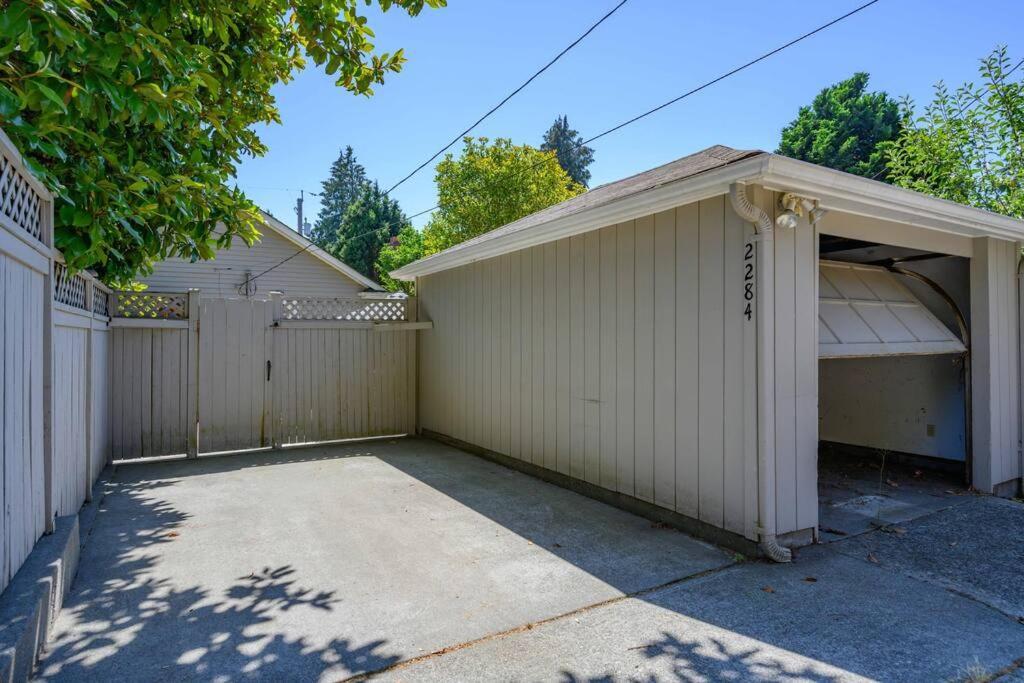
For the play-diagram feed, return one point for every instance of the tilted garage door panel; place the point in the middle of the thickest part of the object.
(867, 311)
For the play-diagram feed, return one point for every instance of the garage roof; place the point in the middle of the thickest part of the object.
(866, 311)
(710, 173)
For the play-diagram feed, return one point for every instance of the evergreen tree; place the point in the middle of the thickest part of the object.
(369, 223)
(345, 184)
(573, 155)
(845, 128)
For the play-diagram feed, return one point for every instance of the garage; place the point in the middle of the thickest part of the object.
(702, 343)
(894, 371)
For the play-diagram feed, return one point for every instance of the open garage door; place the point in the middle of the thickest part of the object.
(865, 311)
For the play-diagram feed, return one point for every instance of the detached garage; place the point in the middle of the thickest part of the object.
(687, 342)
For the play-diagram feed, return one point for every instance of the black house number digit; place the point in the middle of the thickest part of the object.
(748, 280)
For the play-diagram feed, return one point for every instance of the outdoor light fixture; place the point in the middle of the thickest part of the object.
(816, 214)
(787, 220)
(793, 209)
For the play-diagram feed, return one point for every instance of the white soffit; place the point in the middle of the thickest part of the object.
(866, 311)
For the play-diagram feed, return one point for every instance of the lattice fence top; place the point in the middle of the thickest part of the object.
(70, 289)
(100, 302)
(153, 305)
(19, 201)
(379, 310)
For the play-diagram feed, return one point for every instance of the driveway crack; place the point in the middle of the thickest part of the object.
(529, 626)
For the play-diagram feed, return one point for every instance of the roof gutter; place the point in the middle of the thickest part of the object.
(851, 194)
(766, 503)
(644, 202)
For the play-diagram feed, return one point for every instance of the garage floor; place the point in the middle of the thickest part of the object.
(419, 562)
(858, 492)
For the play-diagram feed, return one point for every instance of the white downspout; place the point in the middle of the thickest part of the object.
(766, 507)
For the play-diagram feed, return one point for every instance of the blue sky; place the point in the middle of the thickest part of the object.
(464, 58)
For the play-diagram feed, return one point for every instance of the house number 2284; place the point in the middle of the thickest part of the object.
(748, 280)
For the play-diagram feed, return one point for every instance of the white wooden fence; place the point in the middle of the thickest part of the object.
(171, 373)
(81, 353)
(53, 370)
(197, 375)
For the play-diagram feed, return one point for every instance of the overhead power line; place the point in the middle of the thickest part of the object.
(699, 88)
(509, 96)
(628, 122)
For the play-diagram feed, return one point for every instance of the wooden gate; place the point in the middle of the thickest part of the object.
(336, 381)
(235, 346)
(195, 375)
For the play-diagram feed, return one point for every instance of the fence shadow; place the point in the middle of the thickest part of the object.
(123, 621)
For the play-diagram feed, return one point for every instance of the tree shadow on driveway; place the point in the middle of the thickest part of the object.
(400, 553)
(124, 622)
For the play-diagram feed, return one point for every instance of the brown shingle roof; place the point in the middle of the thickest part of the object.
(686, 167)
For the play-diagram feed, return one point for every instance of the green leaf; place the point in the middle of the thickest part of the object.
(50, 95)
(81, 218)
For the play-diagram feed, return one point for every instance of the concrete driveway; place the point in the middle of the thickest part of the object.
(410, 560)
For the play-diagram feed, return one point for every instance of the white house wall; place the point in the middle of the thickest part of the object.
(796, 372)
(995, 351)
(622, 357)
(303, 275)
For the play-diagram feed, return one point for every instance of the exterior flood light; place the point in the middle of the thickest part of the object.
(816, 214)
(787, 220)
(794, 207)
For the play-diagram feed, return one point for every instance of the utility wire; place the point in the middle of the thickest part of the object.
(694, 91)
(699, 88)
(509, 96)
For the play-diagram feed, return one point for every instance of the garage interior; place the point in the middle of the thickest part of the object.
(893, 383)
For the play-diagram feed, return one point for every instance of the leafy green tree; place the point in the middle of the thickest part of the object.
(568, 146)
(492, 184)
(405, 248)
(136, 114)
(368, 224)
(845, 128)
(344, 185)
(968, 145)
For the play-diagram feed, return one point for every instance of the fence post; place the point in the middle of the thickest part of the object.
(193, 373)
(49, 288)
(89, 294)
(269, 418)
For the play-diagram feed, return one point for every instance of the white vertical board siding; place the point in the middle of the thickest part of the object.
(70, 405)
(994, 370)
(148, 392)
(625, 353)
(222, 277)
(22, 515)
(335, 383)
(796, 372)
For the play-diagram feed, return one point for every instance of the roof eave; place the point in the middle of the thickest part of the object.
(835, 190)
(300, 241)
(645, 202)
(846, 193)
